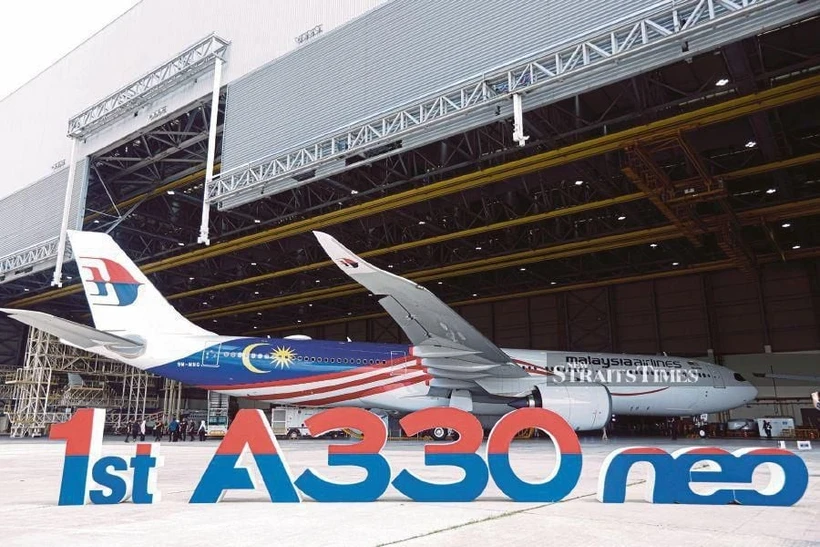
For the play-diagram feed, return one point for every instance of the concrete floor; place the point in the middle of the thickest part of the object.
(30, 476)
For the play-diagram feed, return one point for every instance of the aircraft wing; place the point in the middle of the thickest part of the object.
(75, 334)
(450, 346)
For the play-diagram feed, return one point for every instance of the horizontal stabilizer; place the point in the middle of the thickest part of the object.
(75, 334)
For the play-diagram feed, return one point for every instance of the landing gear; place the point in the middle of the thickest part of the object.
(294, 434)
(438, 433)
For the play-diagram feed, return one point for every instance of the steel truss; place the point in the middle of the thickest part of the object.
(182, 67)
(40, 254)
(675, 21)
(43, 393)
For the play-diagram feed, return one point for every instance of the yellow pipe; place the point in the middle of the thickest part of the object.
(692, 270)
(540, 217)
(552, 252)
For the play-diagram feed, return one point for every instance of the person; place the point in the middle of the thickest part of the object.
(183, 429)
(128, 432)
(143, 426)
(202, 431)
(173, 429)
(135, 429)
(191, 430)
(158, 427)
(767, 427)
(673, 426)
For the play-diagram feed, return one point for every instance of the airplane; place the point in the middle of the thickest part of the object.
(447, 362)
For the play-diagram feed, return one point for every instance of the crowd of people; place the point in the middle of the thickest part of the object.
(176, 430)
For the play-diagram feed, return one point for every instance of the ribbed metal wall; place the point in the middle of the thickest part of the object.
(34, 214)
(398, 52)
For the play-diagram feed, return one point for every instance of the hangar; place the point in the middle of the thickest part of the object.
(641, 179)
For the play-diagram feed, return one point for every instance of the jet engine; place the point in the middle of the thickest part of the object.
(586, 407)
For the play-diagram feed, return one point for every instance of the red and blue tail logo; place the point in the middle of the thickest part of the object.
(108, 273)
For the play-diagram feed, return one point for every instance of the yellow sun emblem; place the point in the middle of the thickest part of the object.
(282, 357)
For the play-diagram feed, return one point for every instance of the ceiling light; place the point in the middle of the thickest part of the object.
(350, 313)
(621, 217)
(474, 295)
(795, 247)
(298, 320)
(69, 277)
(478, 248)
(722, 82)
(786, 224)
(318, 281)
(204, 303)
(181, 244)
(354, 192)
(170, 192)
(190, 279)
(26, 290)
(440, 283)
(553, 283)
(771, 190)
(653, 245)
(214, 320)
(96, 221)
(422, 223)
(310, 305)
(676, 263)
(522, 269)
(259, 313)
(750, 144)
(253, 263)
(389, 265)
(255, 292)
(578, 182)
(257, 221)
(255, 328)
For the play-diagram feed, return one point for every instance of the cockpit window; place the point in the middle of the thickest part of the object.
(739, 378)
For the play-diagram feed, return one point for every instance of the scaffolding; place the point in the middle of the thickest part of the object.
(56, 379)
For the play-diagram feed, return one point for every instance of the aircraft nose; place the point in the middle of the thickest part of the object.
(748, 393)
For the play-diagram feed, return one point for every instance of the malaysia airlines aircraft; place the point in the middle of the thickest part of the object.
(448, 362)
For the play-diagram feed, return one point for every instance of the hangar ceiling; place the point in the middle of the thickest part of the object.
(707, 165)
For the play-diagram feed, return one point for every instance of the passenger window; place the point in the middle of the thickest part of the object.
(739, 378)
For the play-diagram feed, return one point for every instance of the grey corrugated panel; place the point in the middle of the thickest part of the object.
(34, 214)
(400, 51)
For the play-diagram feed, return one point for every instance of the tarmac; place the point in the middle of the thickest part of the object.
(30, 472)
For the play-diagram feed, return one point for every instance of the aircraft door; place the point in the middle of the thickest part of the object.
(717, 376)
(210, 356)
(395, 358)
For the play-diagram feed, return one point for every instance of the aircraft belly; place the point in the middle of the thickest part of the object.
(654, 400)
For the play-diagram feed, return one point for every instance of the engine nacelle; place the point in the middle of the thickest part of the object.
(584, 406)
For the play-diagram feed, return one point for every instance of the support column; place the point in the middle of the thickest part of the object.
(518, 121)
(209, 166)
(69, 191)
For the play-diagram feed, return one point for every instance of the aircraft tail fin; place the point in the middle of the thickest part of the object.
(121, 298)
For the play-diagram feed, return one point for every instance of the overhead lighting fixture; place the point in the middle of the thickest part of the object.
(475, 294)
(621, 217)
(69, 277)
(190, 279)
(390, 266)
(786, 224)
(354, 192)
(181, 244)
(214, 320)
(722, 82)
(170, 192)
(422, 223)
(553, 283)
(253, 263)
(96, 221)
(578, 182)
(26, 290)
(204, 303)
(795, 247)
(310, 305)
(771, 190)
(750, 144)
(298, 320)
(255, 328)
(478, 248)
(522, 269)
(259, 313)
(256, 292)
(257, 221)
(350, 313)
(676, 263)
(318, 281)
(653, 245)
(440, 283)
